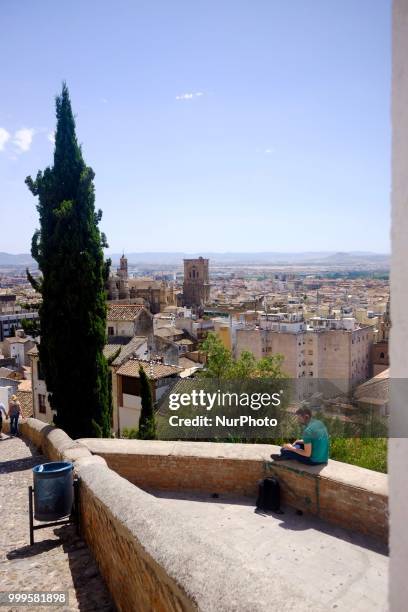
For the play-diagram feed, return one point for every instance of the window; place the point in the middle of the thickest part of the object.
(382, 356)
(111, 331)
(41, 404)
(40, 371)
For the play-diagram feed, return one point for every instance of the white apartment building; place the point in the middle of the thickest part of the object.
(336, 349)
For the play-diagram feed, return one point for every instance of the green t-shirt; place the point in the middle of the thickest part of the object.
(315, 433)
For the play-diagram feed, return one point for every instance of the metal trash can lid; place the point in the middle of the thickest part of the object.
(54, 467)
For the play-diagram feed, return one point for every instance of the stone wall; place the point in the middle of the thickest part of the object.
(342, 494)
(108, 508)
(107, 503)
(152, 561)
(149, 559)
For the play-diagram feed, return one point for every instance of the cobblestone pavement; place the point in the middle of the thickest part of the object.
(59, 560)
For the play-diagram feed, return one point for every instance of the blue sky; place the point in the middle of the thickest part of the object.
(213, 125)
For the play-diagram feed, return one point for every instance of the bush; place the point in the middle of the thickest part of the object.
(130, 433)
(370, 453)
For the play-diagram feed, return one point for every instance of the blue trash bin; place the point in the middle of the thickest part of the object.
(53, 490)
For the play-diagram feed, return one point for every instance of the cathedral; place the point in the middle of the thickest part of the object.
(155, 295)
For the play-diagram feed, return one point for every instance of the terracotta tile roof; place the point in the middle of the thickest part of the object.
(16, 339)
(168, 332)
(26, 400)
(111, 349)
(128, 349)
(123, 312)
(33, 351)
(154, 370)
(186, 363)
(25, 385)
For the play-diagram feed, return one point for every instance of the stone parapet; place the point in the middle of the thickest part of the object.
(152, 561)
(342, 494)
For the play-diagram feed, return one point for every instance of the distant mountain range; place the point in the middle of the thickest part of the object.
(20, 259)
(329, 258)
(324, 257)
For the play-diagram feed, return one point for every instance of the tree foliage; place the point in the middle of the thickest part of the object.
(221, 364)
(68, 249)
(31, 327)
(147, 423)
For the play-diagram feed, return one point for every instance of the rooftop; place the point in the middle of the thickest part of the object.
(111, 349)
(17, 339)
(168, 332)
(126, 350)
(123, 312)
(153, 369)
(25, 397)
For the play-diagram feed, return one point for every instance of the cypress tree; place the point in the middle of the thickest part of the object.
(147, 423)
(68, 248)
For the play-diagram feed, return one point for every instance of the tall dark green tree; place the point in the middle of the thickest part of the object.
(147, 423)
(68, 248)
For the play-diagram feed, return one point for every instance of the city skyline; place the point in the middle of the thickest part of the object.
(231, 129)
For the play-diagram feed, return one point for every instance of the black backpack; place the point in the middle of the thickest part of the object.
(268, 495)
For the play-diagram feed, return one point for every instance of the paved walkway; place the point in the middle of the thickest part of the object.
(321, 567)
(59, 560)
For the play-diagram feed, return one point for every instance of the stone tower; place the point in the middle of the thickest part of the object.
(123, 279)
(123, 267)
(385, 325)
(196, 285)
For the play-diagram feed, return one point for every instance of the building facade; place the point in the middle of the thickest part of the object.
(10, 322)
(128, 320)
(338, 351)
(196, 284)
(41, 405)
(380, 349)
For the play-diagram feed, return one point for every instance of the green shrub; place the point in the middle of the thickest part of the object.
(130, 433)
(370, 453)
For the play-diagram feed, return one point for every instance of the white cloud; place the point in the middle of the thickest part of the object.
(4, 137)
(190, 96)
(51, 137)
(23, 139)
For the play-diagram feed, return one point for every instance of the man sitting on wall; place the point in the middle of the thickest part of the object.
(313, 448)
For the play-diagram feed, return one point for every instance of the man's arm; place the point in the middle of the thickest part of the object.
(305, 452)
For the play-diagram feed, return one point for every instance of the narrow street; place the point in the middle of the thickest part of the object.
(59, 560)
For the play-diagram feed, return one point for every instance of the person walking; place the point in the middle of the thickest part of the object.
(2, 411)
(14, 414)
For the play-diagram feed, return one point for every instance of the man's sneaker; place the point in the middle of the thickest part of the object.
(277, 457)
